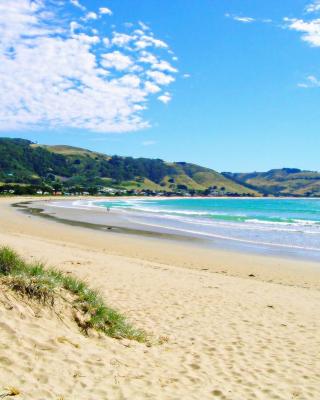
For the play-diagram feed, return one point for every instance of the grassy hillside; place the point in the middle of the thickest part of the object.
(281, 182)
(24, 162)
(70, 151)
(74, 169)
(70, 168)
(201, 178)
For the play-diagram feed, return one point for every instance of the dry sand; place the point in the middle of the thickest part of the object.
(226, 335)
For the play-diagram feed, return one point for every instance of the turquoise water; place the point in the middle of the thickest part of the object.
(285, 224)
(276, 211)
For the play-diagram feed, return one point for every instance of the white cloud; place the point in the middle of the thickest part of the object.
(105, 11)
(148, 58)
(77, 4)
(160, 78)
(145, 41)
(121, 39)
(161, 65)
(311, 82)
(116, 60)
(82, 37)
(143, 26)
(165, 98)
(56, 77)
(248, 20)
(106, 41)
(130, 80)
(151, 87)
(186, 76)
(90, 15)
(74, 26)
(310, 29)
(313, 7)
(164, 66)
(310, 33)
(239, 18)
(245, 20)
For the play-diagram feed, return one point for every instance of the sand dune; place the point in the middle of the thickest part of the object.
(223, 337)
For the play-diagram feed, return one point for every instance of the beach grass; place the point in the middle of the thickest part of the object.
(46, 285)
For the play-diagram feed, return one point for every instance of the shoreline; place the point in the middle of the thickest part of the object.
(97, 197)
(141, 224)
(183, 252)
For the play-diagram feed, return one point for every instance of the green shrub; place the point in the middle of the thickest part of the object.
(10, 262)
(45, 284)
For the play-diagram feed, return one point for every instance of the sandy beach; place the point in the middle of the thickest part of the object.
(231, 325)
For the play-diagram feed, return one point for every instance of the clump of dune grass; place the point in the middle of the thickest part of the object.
(45, 285)
(37, 288)
(10, 392)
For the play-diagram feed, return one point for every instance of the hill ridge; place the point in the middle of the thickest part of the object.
(65, 167)
(280, 182)
(74, 169)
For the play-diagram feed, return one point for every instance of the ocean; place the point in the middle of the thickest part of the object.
(283, 224)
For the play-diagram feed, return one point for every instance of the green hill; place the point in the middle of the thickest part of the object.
(23, 162)
(280, 182)
(75, 169)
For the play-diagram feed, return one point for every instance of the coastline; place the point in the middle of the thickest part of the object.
(233, 325)
(170, 249)
(242, 238)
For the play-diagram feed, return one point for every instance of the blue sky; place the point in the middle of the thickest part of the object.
(232, 85)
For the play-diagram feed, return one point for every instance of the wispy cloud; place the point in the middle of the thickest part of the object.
(310, 82)
(76, 3)
(239, 18)
(246, 20)
(58, 70)
(313, 7)
(90, 15)
(105, 10)
(308, 26)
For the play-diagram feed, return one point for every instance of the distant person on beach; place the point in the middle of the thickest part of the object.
(108, 209)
